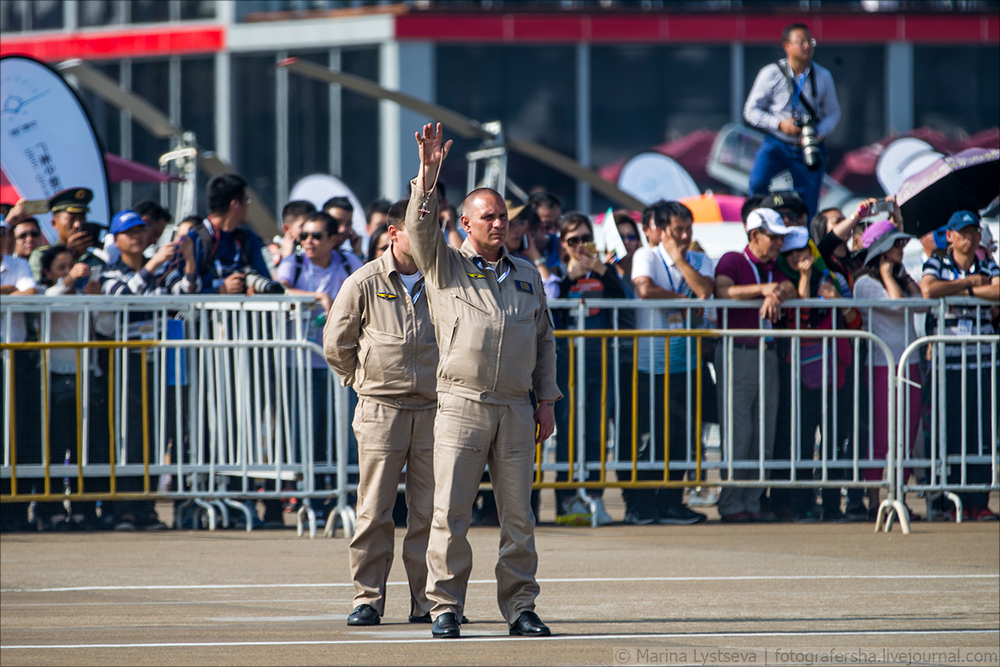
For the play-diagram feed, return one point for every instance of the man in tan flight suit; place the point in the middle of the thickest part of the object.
(380, 340)
(495, 340)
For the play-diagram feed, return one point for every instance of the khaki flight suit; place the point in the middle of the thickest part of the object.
(380, 340)
(495, 339)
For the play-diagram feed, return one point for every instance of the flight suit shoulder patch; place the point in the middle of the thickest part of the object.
(524, 286)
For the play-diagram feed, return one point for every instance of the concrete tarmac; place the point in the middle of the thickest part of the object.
(774, 594)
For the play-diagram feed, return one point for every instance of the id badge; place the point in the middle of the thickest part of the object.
(965, 327)
(675, 321)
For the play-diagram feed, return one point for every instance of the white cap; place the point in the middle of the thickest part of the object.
(769, 219)
(796, 238)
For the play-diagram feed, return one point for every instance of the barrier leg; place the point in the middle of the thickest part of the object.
(209, 509)
(179, 514)
(220, 506)
(243, 508)
(884, 516)
(306, 513)
(904, 516)
(347, 517)
(953, 497)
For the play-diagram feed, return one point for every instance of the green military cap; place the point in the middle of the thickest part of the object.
(74, 200)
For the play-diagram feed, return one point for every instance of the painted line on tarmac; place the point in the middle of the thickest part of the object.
(505, 638)
(777, 577)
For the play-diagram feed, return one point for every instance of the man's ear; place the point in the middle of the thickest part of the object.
(465, 223)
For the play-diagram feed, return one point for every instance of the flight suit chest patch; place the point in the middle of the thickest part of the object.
(386, 295)
(524, 286)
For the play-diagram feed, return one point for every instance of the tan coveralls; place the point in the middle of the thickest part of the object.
(494, 334)
(380, 340)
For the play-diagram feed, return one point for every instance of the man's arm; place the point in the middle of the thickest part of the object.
(932, 287)
(342, 330)
(429, 248)
(757, 110)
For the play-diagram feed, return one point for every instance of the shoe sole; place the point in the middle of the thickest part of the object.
(680, 522)
(450, 634)
(518, 633)
(362, 623)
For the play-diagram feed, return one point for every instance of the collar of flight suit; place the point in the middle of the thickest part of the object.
(470, 252)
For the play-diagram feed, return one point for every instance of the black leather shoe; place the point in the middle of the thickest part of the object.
(364, 614)
(529, 625)
(446, 626)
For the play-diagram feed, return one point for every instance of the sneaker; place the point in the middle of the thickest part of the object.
(982, 514)
(680, 515)
(575, 505)
(636, 518)
(599, 515)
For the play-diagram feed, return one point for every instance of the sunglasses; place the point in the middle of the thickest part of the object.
(574, 241)
(316, 236)
(630, 237)
(27, 235)
(901, 243)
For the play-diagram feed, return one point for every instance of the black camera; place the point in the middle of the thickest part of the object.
(262, 284)
(809, 142)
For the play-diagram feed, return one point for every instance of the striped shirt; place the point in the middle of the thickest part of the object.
(960, 320)
(119, 278)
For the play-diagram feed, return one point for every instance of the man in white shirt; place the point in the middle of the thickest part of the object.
(669, 270)
(787, 96)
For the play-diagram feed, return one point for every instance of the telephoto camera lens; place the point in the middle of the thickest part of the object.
(263, 285)
(810, 143)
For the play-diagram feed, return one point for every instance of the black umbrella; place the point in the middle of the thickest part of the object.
(968, 180)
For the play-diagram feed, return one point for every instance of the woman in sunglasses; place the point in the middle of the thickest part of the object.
(883, 277)
(587, 276)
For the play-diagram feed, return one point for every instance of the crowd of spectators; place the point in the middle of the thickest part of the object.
(833, 257)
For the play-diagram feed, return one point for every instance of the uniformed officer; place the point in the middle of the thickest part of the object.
(69, 213)
(494, 334)
(380, 340)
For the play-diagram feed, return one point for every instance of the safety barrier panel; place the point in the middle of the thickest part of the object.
(956, 459)
(221, 415)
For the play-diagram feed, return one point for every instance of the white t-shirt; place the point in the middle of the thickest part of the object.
(657, 265)
(17, 272)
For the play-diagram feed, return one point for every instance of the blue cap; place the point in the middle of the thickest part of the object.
(125, 220)
(961, 219)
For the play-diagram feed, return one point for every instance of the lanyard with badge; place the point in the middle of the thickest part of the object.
(766, 323)
(675, 320)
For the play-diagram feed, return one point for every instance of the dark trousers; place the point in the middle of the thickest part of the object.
(671, 437)
(774, 157)
(974, 419)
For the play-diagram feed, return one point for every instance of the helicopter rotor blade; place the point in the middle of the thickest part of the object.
(574, 169)
(464, 127)
(106, 88)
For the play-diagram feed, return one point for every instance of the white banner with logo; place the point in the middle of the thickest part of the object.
(47, 142)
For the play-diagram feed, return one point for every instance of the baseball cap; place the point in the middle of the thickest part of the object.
(125, 220)
(767, 219)
(788, 199)
(961, 219)
(795, 239)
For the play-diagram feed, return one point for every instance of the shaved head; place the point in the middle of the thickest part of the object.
(479, 193)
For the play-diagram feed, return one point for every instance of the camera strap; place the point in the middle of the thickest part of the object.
(791, 87)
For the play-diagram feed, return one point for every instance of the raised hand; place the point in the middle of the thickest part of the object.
(431, 146)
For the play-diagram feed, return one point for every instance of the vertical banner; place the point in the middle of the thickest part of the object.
(47, 142)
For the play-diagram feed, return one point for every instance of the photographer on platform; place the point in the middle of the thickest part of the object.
(794, 100)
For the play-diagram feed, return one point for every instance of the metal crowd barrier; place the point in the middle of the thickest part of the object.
(579, 471)
(224, 404)
(975, 454)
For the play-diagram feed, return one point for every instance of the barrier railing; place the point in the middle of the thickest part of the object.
(222, 415)
(961, 460)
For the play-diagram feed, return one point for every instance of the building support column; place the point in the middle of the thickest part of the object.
(899, 87)
(409, 68)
